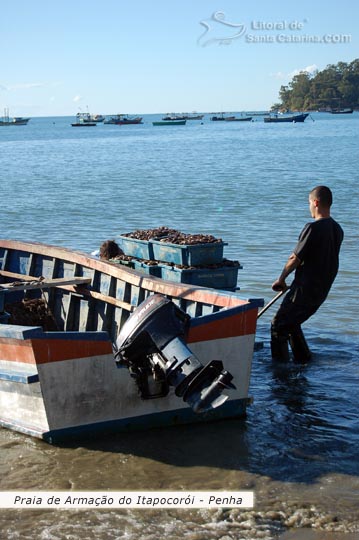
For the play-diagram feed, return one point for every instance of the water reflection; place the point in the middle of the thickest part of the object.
(223, 445)
(307, 419)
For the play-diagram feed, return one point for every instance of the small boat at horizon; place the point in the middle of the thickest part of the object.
(98, 118)
(169, 123)
(282, 119)
(123, 119)
(220, 117)
(15, 121)
(83, 120)
(342, 111)
(184, 116)
(238, 119)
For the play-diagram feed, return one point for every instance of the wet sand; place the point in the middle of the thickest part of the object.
(314, 535)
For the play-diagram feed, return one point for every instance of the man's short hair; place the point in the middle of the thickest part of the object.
(323, 194)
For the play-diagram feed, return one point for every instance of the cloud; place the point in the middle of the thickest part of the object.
(76, 99)
(285, 76)
(309, 69)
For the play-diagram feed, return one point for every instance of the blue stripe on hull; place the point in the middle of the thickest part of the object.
(17, 376)
(231, 409)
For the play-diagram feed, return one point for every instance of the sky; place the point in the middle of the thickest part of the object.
(60, 57)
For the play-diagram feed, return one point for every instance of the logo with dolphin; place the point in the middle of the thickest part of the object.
(220, 31)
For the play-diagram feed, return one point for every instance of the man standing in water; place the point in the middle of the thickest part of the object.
(315, 260)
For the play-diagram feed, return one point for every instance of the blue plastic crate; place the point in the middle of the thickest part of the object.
(151, 269)
(140, 266)
(128, 264)
(188, 255)
(142, 249)
(224, 277)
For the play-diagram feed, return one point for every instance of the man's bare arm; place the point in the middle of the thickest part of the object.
(292, 263)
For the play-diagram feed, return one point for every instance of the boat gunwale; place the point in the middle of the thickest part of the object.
(223, 299)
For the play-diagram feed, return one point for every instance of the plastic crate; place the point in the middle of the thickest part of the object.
(188, 255)
(224, 277)
(140, 266)
(151, 269)
(128, 264)
(142, 249)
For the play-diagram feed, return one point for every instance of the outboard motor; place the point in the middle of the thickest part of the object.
(152, 345)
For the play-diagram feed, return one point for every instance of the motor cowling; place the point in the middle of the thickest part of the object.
(152, 344)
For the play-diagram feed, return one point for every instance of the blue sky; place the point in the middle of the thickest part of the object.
(176, 55)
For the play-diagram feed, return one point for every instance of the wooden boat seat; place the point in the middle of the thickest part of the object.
(41, 284)
(25, 283)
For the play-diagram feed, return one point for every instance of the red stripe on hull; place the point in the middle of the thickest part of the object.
(57, 350)
(241, 324)
(41, 351)
(14, 350)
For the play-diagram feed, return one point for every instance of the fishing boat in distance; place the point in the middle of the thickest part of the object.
(83, 120)
(15, 121)
(184, 116)
(98, 118)
(238, 119)
(281, 119)
(123, 119)
(220, 117)
(99, 355)
(169, 123)
(342, 111)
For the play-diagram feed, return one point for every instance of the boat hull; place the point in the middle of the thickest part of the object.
(169, 123)
(284, 119)
(234, 119)
(65, 384)
(123, 121)
(15, 122)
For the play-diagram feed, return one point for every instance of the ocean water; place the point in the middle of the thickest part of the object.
(247, 183)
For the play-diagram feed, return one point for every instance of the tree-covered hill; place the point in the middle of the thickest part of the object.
(337, 86)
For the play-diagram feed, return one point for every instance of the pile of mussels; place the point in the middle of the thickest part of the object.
(172, 236)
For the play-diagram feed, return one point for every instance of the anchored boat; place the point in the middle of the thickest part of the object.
(84, 120)
(123, 120)
(88, 346)
(169, 123)
(238, 119)
(183, 116)
(348, 110)
(15, 121)
(280, 119)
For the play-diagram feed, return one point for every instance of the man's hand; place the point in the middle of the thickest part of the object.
(279, 285)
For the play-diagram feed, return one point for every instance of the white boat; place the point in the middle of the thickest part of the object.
(84, 120)
(88, 372)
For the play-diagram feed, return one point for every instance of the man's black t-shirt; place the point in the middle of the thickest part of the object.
(318, 249)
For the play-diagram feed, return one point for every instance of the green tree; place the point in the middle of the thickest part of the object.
(335, 86)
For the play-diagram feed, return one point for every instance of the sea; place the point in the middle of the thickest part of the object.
(247, 183)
